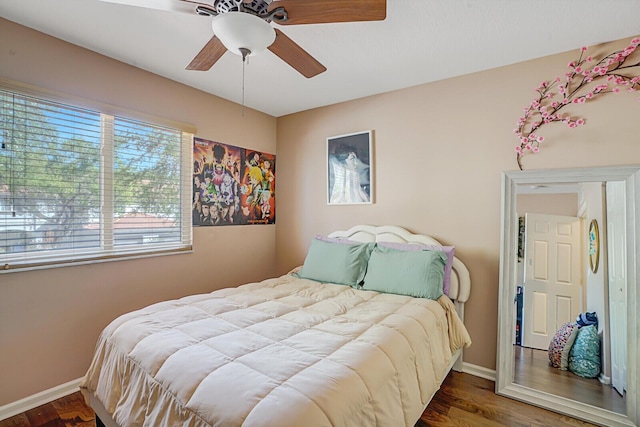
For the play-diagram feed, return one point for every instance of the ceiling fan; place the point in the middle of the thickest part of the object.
(244, 26)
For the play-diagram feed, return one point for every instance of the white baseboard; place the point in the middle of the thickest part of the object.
(479, 371)
(604, 379)
(38, 399)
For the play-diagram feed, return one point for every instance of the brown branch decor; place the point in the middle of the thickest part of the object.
(585, 80)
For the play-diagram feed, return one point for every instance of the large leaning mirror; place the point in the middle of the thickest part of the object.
(548, 278)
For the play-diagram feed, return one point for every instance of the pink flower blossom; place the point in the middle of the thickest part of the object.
(583, 48)
(540, 138)
(572, 124)
(579, 122)
(536, 149)
(636, 41)
(616, 90)
(519, 150)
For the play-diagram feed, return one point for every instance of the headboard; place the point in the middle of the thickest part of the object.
(460, 287)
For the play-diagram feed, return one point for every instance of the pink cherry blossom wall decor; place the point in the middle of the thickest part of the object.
(586, 79)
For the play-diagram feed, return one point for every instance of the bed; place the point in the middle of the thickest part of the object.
(289, 351)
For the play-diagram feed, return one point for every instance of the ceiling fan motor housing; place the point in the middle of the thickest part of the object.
(256, 7)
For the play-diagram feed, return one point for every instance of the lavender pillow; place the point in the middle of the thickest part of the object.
(448, 251)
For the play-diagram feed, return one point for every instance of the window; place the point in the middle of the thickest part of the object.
(77, 185)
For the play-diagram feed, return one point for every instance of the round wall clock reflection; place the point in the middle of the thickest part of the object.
(594, 246)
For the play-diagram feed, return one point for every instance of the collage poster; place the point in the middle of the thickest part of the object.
(232, 185)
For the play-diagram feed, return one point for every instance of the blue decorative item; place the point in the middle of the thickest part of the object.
(584, 358)
(586, 319)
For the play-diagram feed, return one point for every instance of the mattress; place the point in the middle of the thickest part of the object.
(282, 352)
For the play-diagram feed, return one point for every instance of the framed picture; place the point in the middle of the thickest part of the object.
(350, 169)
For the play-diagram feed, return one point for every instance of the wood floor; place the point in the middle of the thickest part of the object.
(463, 400)
(69, 411)
(532, 370)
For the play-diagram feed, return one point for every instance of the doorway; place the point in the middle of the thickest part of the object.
(552, 276)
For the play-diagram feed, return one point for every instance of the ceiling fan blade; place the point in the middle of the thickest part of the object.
(185, 6)
(323, 12)
(208, 55)
(294, 55)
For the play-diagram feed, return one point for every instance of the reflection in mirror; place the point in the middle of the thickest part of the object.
(587, 368)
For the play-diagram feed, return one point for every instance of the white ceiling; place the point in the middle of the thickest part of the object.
(420, 41)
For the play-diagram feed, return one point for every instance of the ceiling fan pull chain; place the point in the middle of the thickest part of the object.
(245, 55)
(243, 64)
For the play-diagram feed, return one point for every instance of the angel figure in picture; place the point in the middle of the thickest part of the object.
(350, 177)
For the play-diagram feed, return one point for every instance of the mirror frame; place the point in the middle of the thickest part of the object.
(508, 274)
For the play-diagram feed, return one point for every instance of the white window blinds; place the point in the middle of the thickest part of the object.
(77, 185)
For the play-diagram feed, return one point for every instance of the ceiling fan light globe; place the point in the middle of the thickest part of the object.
(238, 30)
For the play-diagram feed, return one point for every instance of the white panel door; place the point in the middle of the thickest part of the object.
(553, 276)
(616, 262)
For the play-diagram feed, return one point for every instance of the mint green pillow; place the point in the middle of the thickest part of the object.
(417, 274)
(341, 263)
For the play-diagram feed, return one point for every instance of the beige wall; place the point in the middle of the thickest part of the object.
(50, 319)
(551, 204)
(439, 152)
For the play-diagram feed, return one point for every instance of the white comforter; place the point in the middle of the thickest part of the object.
(283, 352)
